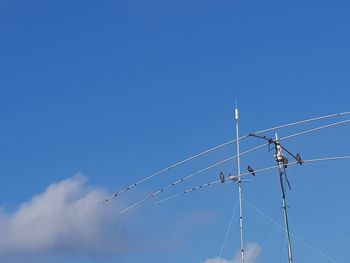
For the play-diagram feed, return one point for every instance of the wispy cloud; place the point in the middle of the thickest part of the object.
(48, 223)
(47, 228)
(252, 252)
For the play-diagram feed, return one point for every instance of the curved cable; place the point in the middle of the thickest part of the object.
(315, 129)
(220, 146)
(190, 176)
(242, 153)
(187, 191)
(304, 121)
(232, 177)
(235, 177)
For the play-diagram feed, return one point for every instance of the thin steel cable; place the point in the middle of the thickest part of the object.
(295, 236)
(133, 205)
(228, 228)
(167, 198)
(320, 221)
(263, 237)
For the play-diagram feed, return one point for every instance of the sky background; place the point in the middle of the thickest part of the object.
(97, 95)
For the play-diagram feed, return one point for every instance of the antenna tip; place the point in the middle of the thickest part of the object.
(236, 114)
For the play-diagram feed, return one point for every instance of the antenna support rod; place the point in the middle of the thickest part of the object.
(279, 159)
(240, 192)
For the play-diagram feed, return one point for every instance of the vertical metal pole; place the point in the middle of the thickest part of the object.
(279, 159)
(239, 186)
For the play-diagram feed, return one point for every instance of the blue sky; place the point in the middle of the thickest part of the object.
(116, 90)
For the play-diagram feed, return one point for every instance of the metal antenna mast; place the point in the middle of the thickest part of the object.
(239, 186)
(282, 163)
(280, 159)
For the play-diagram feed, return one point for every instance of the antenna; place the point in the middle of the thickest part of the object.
(164, 170)
(240, 192)
(282, 162)
(270, 141)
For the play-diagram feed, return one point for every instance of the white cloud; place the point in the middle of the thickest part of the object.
(252, 251)
(46, 228)
(48, 223)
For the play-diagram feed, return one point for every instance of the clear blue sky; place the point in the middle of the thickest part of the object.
(116, 90)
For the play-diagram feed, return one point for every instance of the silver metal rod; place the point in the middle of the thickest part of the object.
(234, 178)
(188, 191)
(315, 129)
(279, 159)
(240, 190)
(304, 121)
